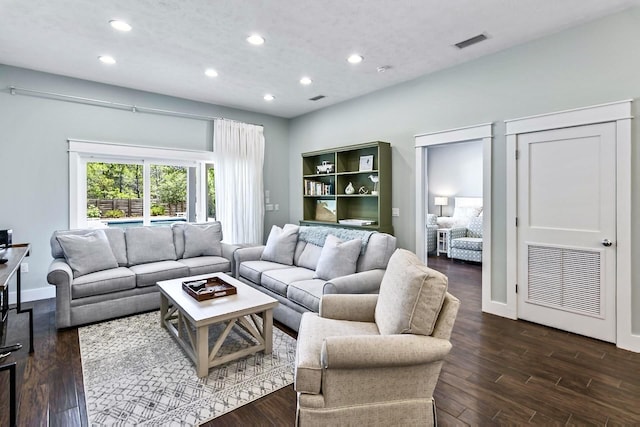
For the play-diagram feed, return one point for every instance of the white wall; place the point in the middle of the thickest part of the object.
(587, 65)
(34, 166)
(453, 170)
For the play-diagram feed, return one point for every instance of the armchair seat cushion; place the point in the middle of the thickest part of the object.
(313, 330)
(470, 243)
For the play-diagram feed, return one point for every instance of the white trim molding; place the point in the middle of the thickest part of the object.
(620, 113)
(484, 133)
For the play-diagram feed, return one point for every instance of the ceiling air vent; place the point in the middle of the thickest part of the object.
(317, 98)
(473, 40)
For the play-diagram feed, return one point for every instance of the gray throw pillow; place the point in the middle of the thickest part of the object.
(411, 296)
(338, 258)
(149, 244)
(202, 240)
(87, 253)
(281, 244)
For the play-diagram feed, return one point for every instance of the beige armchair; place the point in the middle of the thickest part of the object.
(375, 359)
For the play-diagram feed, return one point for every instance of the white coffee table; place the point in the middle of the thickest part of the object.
(178, 310)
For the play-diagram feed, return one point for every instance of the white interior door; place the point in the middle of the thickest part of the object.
(566, 229)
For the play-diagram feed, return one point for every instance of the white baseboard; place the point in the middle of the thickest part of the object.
(33, 294)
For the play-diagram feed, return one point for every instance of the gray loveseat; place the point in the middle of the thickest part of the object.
(300, 264)
(108, 273)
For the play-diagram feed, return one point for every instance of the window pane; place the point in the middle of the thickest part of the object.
(211, 193)
(114, 194)
(168, 194)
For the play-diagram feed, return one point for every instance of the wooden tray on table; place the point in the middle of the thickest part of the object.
(208, 288)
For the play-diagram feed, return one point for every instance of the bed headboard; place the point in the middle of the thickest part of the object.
(466, 202)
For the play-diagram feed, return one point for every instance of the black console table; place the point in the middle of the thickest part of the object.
(14, 255)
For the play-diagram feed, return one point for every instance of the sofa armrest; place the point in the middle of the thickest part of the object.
(228, 251)
(61, 275)
(357, 308)
(381, 351)
(241, 255)
(364, 282)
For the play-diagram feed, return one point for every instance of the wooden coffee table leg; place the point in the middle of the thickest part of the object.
(164, 308)
(267, 331)
(202, 351)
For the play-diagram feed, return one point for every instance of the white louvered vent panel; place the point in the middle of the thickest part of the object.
(565, 278)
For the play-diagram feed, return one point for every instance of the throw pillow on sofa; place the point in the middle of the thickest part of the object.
(149, 244)
(411, 296)
(202, 240)
(87, 253)
(281, 244)
(338, 258)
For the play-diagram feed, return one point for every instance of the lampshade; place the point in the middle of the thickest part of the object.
(441, 201)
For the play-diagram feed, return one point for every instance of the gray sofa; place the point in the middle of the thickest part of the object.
(290, 272)
(108, 273)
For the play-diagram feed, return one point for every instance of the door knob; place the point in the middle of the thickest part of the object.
(606, 242)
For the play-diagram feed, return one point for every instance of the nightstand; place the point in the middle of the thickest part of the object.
(443, 241)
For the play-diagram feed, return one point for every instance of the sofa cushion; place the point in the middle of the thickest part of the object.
(309, 256)
(338, 258)
(252, 270)
(149, 244)
(411, 296)
(278, 280)
(206, 264)
(313, 330)
(103, 282)
(150, 273)
(307, 293)
(379, 251)
(471, 243)
(202, 240)
(115, 236)
(87, 253)
(281, 244)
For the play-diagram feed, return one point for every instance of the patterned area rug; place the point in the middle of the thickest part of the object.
(136, 374)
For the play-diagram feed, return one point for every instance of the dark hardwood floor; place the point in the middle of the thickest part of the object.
(499, 372)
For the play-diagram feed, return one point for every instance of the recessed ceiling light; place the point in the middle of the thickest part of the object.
(255, 39)
(210, 72)
(106, 59)
(355, 58)
(305, 81)
(269, 97)
(120, 25)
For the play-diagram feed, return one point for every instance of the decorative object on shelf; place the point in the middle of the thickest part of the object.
(325, 167)
(440, 201)
(349, 189)
(374, 179)
(366, 163)
(326, 210)
(363, 190)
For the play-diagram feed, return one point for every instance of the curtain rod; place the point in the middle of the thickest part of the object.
(13, 90)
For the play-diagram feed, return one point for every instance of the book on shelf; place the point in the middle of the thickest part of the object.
(317, 188)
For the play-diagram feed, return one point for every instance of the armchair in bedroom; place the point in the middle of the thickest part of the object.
(466, 243)
(432, 233)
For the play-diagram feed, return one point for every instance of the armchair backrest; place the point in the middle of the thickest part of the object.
(432, 219)
(474, 229)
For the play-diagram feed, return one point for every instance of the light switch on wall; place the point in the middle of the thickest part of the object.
(395, 211)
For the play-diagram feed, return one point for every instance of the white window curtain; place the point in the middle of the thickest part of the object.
(238, 150)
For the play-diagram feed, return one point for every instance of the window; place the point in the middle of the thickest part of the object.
(116, 185)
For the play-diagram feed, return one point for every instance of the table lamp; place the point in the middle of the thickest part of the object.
(441, 201)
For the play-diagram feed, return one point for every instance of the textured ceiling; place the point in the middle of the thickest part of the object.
(173, 41)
